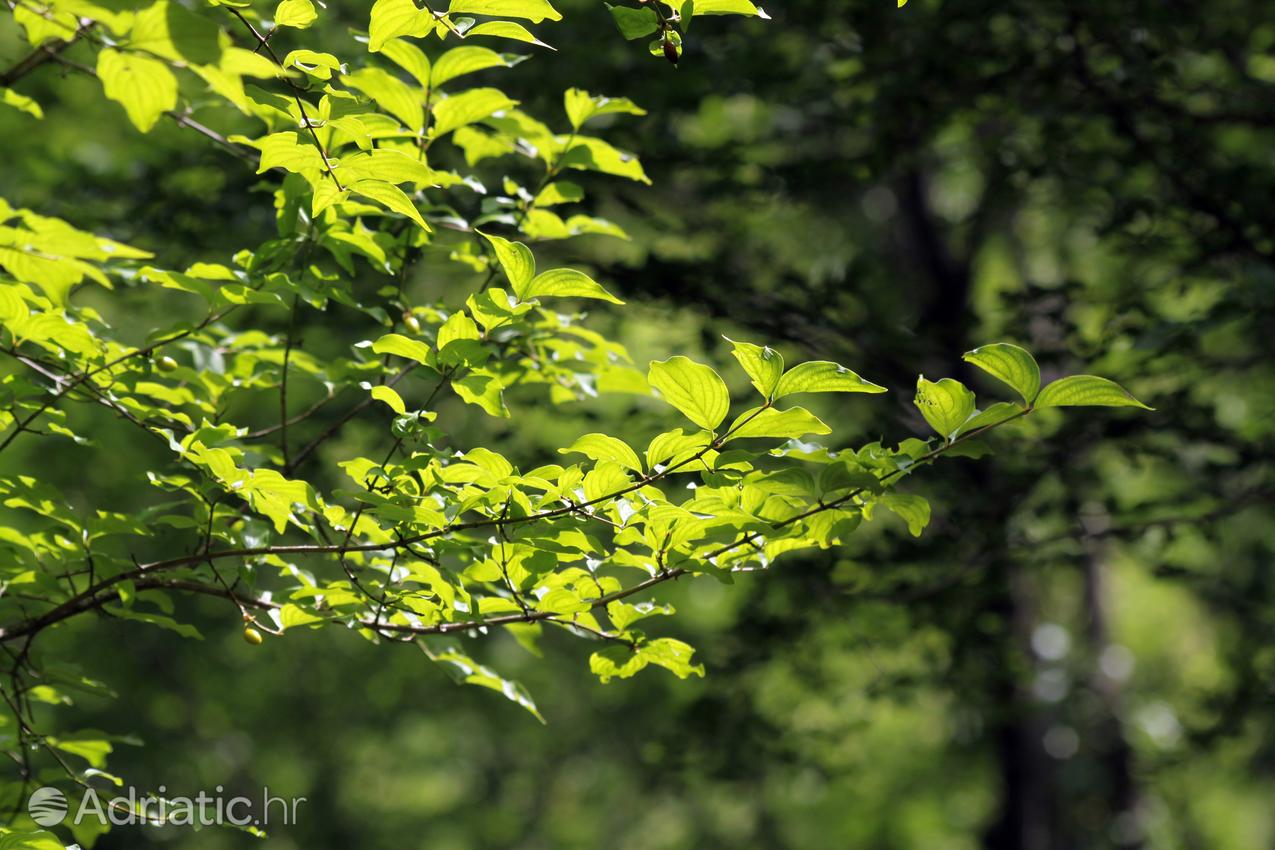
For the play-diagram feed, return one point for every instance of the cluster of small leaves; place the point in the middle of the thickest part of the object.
(669, 21)
(377, 162)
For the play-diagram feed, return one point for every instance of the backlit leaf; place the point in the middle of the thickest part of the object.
(1086, 391)
(693, 388)
(531, 10)
(764, 366)
(769, 422)
(1013, 365)
(567, 283)
(295, 13)
(823, 376)
(143, 85)
(945, 404)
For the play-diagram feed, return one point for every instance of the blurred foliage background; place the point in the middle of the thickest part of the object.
(1077, 655)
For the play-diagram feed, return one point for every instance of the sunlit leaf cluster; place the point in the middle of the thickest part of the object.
(379, 161)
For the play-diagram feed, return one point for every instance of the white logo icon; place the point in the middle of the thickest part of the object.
(47, 806)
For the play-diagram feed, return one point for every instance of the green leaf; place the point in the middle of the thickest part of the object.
(634, 23)
(729, 7)
(409, 57)
(391, 94)
(566, 283)
(619, 662)
(606, 477)
(91, 746)
(667, 46)
(390, 397)
(389, 165)
(295, 13)
(284, 150)
(1009, 363)
(674, 446)
(20, 102)
(318, 65)
(946, 405)
(458, 328)
(44, 24)
(15, 840)
(482, 389)
(393, 18)
(170, 30)
(562, 601)
(823, 376)
(531, 10)
(601, 447)
(292, 616)
(1087, 391)
(561, 192)
(590, 154)
(468, 108)
(402, 346)
(449, 655)
(144, 86)
(465, 60)
(1000, 412)
(763, 365)
(516, 260)
(581, 106)
(913, 510)
(505, 29)
(693, 388)
(391, 197)
(769, 422)
(623, 615)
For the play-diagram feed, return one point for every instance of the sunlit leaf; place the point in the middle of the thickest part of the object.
(693, 388)
(1086, 391)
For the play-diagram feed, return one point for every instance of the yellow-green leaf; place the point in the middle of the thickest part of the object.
(468, 108)
(602, 447)
(505, 29)
(390, 397)
(764, 366)
(295, 13)
(391, 94)
(393, 18)
(590, 154)
(515, 260)
(693, 388)
(409, 57)
(946, 405)
(391, 197)
(566, 283)
(823, 376)
(20, 102)
(144, 86)
(784, 424)
(729, 7)
(913, 510)
(1011, 364)
(389, 165)
(402, 346)
(464, 60)
(531, 10)
(1087, 391)
(581, 106)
